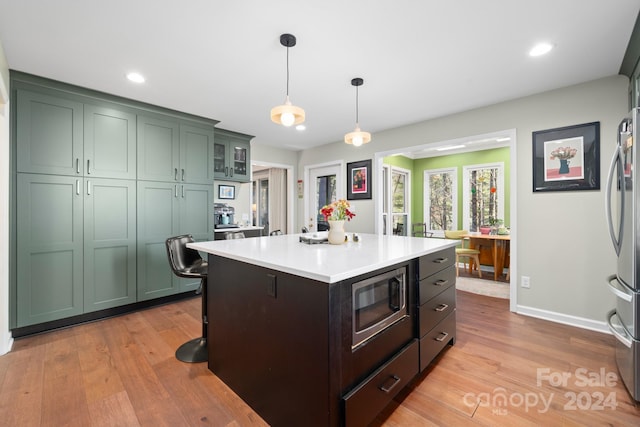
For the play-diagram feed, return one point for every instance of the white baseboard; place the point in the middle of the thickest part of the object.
(578, 322)
(6, 342)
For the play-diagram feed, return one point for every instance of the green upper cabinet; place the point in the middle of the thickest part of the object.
(196, 153)
(171, 151)
(49, 134)
(232, 156)
(158, 149)
(109, 143)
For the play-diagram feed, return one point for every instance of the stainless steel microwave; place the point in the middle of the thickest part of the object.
(377, 303)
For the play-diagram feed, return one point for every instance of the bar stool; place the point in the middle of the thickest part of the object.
(187, 262)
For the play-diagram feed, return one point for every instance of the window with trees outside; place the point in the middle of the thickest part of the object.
(396, 191)
(441, 200)
(483, 195)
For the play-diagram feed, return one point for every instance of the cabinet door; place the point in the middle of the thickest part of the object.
(240, 161)
(196, 154)
(158, 149)
(109, 243)
(109, 143)
(221, 159)
(158, 210)
(49, 248)
(196, 218)
(48, 134)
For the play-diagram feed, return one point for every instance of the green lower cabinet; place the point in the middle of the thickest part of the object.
(76, 250)
(109, 243)
(166, 209)
(49, 248)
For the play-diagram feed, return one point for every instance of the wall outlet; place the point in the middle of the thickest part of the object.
(525, 282)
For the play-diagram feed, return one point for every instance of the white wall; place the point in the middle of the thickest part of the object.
(5, 336)
(563, 242)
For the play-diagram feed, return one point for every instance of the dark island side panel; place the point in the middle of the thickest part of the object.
(268, 340)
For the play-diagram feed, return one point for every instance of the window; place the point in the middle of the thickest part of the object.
(483, 194)
(441, 200)
(396, 200)
(326, 194)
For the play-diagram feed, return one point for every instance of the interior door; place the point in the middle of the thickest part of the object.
(326, 184)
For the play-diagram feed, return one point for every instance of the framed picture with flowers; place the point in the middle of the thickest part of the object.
(567, 158)
(359, 180)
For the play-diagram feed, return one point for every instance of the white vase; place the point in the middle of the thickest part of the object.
(336, 232)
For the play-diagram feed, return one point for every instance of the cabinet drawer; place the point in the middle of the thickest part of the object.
(365, 401)
(436, 309)
(435, 284)
(432, 343)
(432, 263)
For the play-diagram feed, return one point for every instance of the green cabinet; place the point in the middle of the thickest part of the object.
(109, 243)
(49, 134)
(232, 156)
(166, 209)
(58, 135)
(174, 152)
(76, 246)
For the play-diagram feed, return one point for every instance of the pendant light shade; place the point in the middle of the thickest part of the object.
(357, 137)
(287, 114)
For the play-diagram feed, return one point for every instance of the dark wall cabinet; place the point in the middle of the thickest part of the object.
(98, 184)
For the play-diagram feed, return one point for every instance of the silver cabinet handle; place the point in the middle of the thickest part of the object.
(77, 165)
(176, 190)
(619, 289)
(440, 282)
(88, 167)
(78, 187)
(396, 381)
(175, 174)
(441, 307)
(443, 336)
(232, 171)
(618, 330)
(440, 260)
(226, 171)
(88, 188)
(182, 191)
(183, 174)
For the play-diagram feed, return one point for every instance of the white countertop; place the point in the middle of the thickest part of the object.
(324, 262)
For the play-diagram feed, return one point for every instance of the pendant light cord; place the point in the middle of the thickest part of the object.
(287, 71)
(357, 102)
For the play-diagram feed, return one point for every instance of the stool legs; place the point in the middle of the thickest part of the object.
(195, 351)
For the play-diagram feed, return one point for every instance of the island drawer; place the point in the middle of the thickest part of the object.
(432, 263)
(432, 312)
(432, 343)
(436, 283)
(366, 400)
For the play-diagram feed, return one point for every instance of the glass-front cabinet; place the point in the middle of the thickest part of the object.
(231, 156)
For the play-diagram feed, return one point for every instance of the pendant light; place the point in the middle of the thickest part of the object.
(287, 114)
(357, 137)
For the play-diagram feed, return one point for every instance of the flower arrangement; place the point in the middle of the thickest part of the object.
(564, 153)
(337, 211)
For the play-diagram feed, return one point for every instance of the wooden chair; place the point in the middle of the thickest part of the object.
(230, 235)
(276, 233)
(419, 229)
(464, 252)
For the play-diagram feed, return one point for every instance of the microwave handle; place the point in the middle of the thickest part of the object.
(396, 292)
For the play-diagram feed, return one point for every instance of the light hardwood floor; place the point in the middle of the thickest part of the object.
(122, 372)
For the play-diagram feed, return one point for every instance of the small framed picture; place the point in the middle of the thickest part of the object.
(359, 180)
(226, 192)
(567, 158)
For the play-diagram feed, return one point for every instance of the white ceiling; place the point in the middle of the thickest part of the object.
(223, 59)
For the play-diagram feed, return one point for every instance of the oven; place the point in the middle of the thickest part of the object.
(377, 303)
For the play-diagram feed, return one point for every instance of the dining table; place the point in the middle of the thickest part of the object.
(500, 246)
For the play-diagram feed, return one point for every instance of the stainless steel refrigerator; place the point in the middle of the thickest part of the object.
(623, 215)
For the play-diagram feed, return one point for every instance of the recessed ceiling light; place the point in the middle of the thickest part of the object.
(135, 77)
(301, 127)
(540, 49)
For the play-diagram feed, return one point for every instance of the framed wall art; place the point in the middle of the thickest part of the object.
(226, 192)
(359, 180)
(567, 158)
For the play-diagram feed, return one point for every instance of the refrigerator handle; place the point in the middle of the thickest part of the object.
(615, 161)
(618, 330)
(618, 289)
